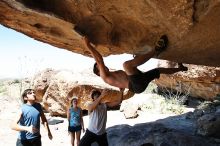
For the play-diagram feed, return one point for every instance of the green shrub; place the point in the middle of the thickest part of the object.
(16, 81)
(172, 105)
(159, 104)
(150, 88)
(2, 88)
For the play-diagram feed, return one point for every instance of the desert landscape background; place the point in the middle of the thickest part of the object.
(181, 109)
(10, 104)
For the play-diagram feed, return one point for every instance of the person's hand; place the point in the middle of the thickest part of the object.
(32, 129)
(50, 135)
(104, 93)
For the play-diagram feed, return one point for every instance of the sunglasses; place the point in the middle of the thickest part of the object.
(31, 92)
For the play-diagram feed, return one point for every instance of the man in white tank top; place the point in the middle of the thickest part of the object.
(96, 131)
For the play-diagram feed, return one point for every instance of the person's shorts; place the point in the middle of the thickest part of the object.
(139, 82)
(74, 128)
(29, 142)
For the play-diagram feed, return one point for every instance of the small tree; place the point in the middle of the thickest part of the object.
(27, 69)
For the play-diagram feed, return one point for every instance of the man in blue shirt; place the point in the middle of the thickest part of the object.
(27, 121)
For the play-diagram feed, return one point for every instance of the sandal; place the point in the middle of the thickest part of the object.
(161, 44)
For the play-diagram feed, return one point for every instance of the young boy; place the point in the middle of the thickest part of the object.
(27, 121)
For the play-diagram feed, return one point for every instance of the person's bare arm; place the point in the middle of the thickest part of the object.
(82, 122)
(68, 115)
(98, 58)
(45, 123)
(17, 127)
(112, 104)
(95, 103)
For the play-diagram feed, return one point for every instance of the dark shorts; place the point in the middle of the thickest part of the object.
(74, 128)
(29, 142)
(139, 82)
(90, 137)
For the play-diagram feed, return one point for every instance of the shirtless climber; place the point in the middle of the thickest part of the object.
(132, 78)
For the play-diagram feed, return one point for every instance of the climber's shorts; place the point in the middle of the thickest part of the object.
(139, 82)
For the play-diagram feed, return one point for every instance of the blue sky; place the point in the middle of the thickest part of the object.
(21, 56)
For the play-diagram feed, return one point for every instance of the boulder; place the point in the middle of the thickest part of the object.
(41, 82)
(56, 88)
(118, 27)
(209, 125)
(199, 81)
(153, 134)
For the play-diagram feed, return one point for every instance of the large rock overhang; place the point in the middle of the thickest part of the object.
(118, 27)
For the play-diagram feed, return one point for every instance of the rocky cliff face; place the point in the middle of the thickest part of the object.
(198, 81)
(116, 27)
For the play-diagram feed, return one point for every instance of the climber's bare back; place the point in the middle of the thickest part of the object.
(116, 78)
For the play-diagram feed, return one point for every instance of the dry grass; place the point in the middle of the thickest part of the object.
(158, 104)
